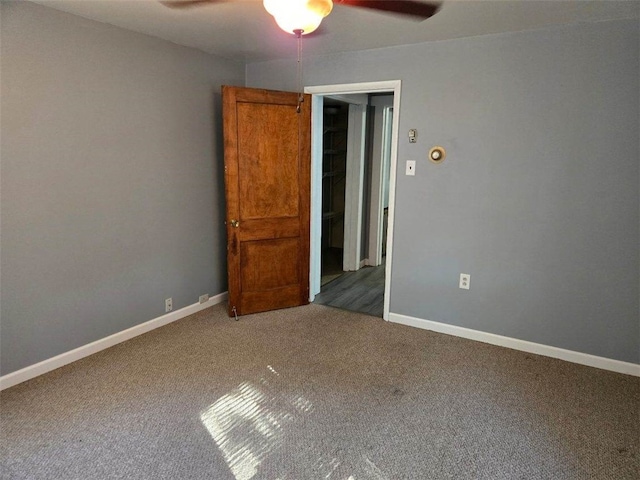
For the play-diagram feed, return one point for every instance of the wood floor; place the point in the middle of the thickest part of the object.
(360, 291)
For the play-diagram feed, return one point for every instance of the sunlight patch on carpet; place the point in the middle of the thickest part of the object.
(262, 429)
(249, 422)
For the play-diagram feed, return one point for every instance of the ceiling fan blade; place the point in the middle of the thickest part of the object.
(188, 3)
(419, 10)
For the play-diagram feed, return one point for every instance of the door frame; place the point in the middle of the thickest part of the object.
(354, 187)
(318, 93)
(379, 180)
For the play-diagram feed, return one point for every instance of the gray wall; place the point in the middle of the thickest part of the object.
(538, 198)
(112, 185)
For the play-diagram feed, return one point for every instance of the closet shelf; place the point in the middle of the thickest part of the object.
(333, 174)
(330, 215)
(334, 152)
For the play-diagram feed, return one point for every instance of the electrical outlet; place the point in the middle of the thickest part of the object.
(465, 281)
(411, 168)
(204, 298)
(168, 305)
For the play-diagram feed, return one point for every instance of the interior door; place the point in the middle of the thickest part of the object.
(267, 156)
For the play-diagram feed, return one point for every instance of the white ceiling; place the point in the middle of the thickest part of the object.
(243, 30)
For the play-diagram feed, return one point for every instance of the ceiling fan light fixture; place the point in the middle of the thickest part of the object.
(292, 15)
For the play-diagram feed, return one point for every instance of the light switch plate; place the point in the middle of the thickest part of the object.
(411, 168)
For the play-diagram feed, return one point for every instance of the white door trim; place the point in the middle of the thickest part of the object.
(354, 187)
(315, 233)
(379, 176)
(318, 92)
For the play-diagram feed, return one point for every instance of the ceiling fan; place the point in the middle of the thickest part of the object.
(301, 17)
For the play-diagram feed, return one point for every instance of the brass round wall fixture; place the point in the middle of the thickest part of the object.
(437, 154)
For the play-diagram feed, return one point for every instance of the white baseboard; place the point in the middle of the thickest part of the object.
(523, 345)
(58, 361)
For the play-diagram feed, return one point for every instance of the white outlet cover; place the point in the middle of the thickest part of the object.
(411, 168)
(465, 281)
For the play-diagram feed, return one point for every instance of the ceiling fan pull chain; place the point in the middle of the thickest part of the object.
(300, 94)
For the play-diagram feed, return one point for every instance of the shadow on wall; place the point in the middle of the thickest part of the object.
(218, 220)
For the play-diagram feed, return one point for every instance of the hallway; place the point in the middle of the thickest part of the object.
(359, 291)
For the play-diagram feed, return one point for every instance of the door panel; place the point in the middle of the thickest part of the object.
(267, 184)
(274, 156)
(269, 264)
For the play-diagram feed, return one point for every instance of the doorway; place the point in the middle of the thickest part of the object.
(365, 221)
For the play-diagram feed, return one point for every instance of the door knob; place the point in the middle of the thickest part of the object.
(235, 223)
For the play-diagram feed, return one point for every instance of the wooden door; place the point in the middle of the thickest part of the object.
(267, 156)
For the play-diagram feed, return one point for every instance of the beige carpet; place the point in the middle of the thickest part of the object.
(314, 393)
